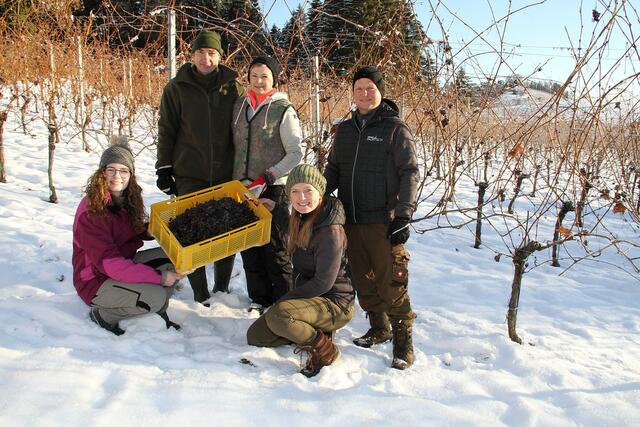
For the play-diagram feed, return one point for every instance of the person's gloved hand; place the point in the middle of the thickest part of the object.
(399, 231)
(260, 184)
(165, 181)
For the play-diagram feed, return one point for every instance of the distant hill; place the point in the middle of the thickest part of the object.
(524, 101)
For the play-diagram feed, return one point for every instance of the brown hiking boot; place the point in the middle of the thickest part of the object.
(402, 344)
(380, 331)
(321, 352)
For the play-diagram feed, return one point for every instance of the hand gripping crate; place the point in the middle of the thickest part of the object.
(186, 259)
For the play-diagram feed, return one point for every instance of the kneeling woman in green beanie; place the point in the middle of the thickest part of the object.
(322, 297)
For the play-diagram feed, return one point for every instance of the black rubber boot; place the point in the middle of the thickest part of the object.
(95, 317)
(222, 270)
(168, 322)
(198, 282)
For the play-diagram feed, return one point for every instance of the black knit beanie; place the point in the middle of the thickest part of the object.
(118, 152)
(306, 174)
(371, 73)
(207, 39)
(271, 63)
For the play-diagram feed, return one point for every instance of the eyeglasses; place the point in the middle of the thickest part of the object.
(112, 172)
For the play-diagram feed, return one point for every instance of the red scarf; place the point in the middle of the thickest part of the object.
(256, 100)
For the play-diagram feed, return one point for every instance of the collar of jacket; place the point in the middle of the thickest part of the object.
(256, 100)
(387, 108)
(114, 204)
(272, 99)
(332, 213)
(113, 208)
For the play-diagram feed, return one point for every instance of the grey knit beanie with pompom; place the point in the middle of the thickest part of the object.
(118, 152)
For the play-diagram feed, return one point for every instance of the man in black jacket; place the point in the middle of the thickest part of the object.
(373, 165)
(195, 147)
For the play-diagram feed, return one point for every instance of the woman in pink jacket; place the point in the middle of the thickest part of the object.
(115, 280)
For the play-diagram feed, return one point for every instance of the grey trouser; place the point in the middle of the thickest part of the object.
(296, 321)
(371, 260)
(119, 300)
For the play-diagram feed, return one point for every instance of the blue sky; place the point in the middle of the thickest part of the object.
(540, 35)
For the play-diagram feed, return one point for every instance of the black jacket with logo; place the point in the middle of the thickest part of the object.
(375, 169)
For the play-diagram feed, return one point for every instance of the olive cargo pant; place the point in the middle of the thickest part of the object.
(296, 321)
(371, 259)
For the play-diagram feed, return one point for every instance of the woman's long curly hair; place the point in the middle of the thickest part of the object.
(97, 190)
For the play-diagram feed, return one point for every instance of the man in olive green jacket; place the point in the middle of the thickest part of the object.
(195, 147)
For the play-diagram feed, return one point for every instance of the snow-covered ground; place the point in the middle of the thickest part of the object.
(580, 364)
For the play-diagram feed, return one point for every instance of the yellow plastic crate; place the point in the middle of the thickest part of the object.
(191, 257)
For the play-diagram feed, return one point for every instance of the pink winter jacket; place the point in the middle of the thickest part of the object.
(103, 248)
